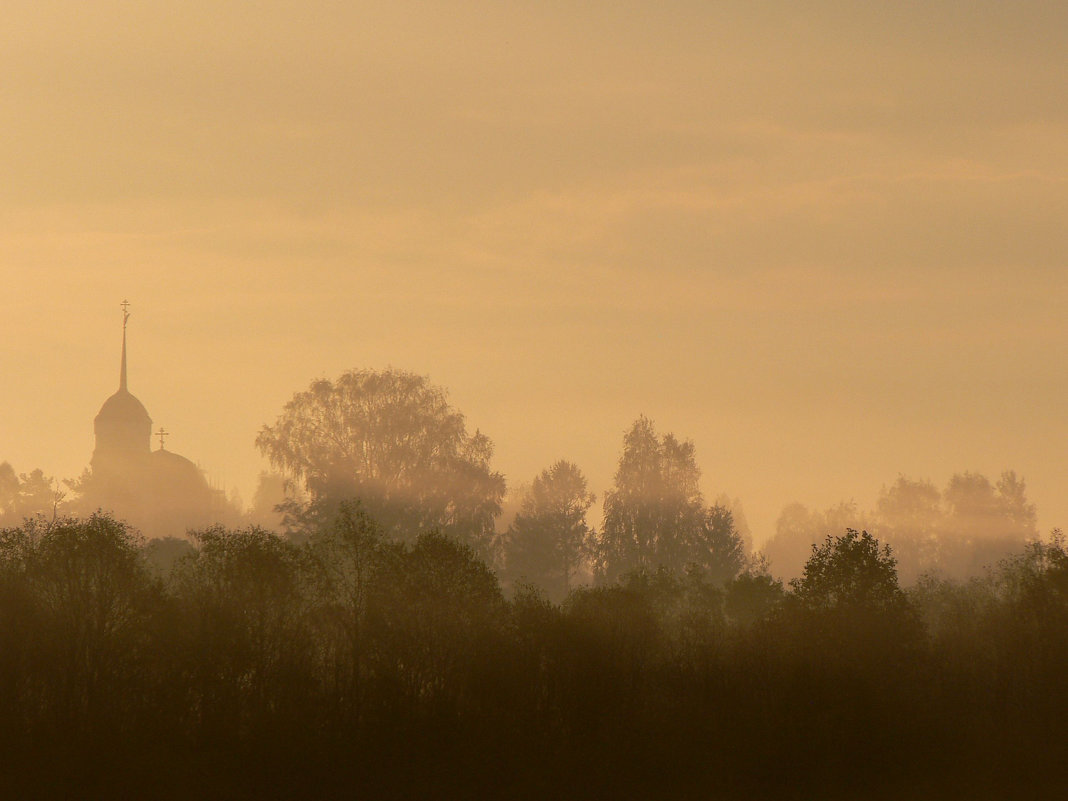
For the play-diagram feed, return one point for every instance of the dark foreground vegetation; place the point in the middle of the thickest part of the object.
(355, 666)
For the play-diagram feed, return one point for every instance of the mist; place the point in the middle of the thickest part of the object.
(386, 606)
(532, 399)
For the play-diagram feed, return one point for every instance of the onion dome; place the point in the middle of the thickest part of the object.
(122, 426)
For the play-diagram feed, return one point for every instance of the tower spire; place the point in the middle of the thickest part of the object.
(122, 369)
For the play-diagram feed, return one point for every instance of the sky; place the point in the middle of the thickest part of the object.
(824, 241)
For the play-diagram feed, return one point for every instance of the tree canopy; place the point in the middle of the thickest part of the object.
(655, 514)
(26, 494)
(850, 570)
(391, 439)
(549, 538)
(959, 531)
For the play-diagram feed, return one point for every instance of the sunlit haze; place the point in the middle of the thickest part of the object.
(826, 243)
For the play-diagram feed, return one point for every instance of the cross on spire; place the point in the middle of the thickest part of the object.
(161, 434)
(122, 369)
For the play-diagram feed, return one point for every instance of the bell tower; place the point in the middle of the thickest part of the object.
(122, 426)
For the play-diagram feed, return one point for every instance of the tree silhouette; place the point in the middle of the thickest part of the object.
(850, 601)
(655, 514)
(752, 595)
(26, 495)
(348, 559)
(849, 570)
(245, 638)
(549, 538)
(717, 549)
(439, 608)
(655, 505)
(352, 664)
(92, 599)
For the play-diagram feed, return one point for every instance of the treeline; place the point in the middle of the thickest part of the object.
(958, 531)
(361, 664)
(392, 439)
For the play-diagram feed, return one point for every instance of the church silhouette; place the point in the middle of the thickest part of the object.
(157, 491)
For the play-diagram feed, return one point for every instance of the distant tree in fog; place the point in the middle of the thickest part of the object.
(268, 502)
(741, 522)
(991, 511)
(655, 514)
(984, 522)
(717, 549)
(391, 439)
(549, 538)
(799, 528)
(958, 532)
(511, 504)
(655, 504)
(9, 492)
(909, 515)
(26, 495)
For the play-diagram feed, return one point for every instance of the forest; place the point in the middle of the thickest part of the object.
(400, 626)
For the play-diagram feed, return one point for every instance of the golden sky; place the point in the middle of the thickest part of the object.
(826, 241)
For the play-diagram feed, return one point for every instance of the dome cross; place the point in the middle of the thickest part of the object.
(122, 368)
